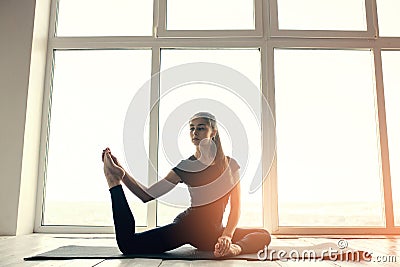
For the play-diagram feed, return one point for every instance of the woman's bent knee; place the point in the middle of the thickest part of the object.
(124, 248)
(127, 246)
(266, 236)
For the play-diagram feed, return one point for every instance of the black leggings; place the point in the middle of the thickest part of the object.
(176, 234)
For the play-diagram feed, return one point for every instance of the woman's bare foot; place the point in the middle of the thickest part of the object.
(112, 171)
(234, 250)
(112, 156)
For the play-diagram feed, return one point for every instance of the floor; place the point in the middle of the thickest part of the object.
(385, 252)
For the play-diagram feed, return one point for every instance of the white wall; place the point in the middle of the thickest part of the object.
(21, 87)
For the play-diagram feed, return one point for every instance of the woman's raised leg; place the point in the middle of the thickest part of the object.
(155, 240)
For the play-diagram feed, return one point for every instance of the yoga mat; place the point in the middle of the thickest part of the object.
(191, 253)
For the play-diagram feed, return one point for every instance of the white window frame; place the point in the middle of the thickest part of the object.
(266, 37)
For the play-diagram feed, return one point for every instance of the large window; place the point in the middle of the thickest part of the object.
(326, 70)
(387, 17)
(91, 92)
(247, 62)
(322, 15)
(328, 166)
(391, 79)
(104, 18)
(210, 15)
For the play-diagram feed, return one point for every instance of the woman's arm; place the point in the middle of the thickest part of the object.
(224, 242)
(154, 191)
(148, 193)
(234, 214)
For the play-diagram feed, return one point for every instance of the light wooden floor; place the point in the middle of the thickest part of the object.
(14, 249)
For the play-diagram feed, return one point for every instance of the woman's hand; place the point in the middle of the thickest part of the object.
(223, 245)
(104, 152)
(112, 156)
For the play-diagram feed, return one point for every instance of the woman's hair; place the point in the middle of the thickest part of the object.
(220, 160)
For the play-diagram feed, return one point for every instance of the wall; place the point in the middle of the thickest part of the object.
(21, 87)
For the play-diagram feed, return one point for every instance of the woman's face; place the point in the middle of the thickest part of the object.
(200, 129)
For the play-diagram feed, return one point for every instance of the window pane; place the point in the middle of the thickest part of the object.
(322, 15)
(388, 17)
(391, 79)
(245, 61)
(105, 18)
(327, 144)
(210, 15)
(91, 93)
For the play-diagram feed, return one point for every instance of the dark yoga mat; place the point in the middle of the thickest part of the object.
(181, 253)
(88, 252)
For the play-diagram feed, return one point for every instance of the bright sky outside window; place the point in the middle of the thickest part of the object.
(246, 61)
(388, 17)
(322, 15)
(327, 145)
(210, 15)
(91, 92)
(105, 18)
(391, 79)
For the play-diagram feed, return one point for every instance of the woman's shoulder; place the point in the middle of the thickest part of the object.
(192, 157)
(233, 163)
(231, 159)
(190, 165)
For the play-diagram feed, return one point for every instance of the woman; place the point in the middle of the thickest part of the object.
(201, 224)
